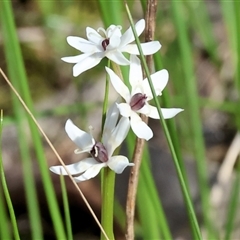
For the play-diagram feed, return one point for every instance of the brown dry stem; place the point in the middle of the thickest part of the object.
(139, 146)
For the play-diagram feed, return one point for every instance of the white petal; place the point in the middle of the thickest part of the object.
(114, 30)
(94, 36)
(90, 172)
(118, 163)
(148, 48)
(166, 112)
(76, 59)
(111, 118)
(124, 109)
(140, 128)
(159, 81)
(82, 139)
(118, 85)
(81, 44)
(117, 136)
(88, 63)
(117, 57)
(75, 168)
(114, 42)
(135, 73)
(128, 36)
(169, 112)
(146, 109)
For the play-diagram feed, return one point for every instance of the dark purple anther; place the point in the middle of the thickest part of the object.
(105, 43)
(99, 152)
(138, 100)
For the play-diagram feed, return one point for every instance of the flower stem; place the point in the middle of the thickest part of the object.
(108, 183)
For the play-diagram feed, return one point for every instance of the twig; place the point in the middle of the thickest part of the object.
(139, 146)
(54, 150)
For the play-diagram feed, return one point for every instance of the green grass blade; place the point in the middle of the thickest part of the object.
(4, 221)
(66, 208)
(193, 110)
(18, 76)
(111, 12)
(186, 194)
(5, 190)
(204, 27)
(148, 190)
(28, 177)
(237, 74)
(227, 8)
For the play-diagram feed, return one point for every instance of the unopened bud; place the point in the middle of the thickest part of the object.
(138, 100)
(99, 152)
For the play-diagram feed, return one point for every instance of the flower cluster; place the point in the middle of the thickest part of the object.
(111, 43)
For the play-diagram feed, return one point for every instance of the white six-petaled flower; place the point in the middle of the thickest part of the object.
(137, 99)
(108, 43)
(114, 133)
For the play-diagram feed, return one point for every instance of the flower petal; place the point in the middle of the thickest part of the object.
(159, 80)
(124, 109)
(118, 163)
(114, 30)
(140, 128)
(76, 59)
(117, 57)
(166, 112)
(128, 36)
(88, 63)
(90, 172)
(118, 85)
(117, 136)
(148, 48)
(82, 44)
(111, 118)
(75, 168)
(135, 73)
(114, 42)
(82, 139)
(93, 36)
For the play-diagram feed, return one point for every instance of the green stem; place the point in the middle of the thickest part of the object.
(186, 194)
(108, 184)
(66, 208)
(6, 192)
(107, 181)
(18, 76)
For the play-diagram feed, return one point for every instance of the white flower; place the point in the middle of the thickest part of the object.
(114, 133)
(137, 99)
(108, 43)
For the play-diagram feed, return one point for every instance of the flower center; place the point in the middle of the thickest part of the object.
(99, 152)
(105, 43)
(138, 100)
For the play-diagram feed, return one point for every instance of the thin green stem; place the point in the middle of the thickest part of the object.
(66, 208)
(146, 180)
(108, 184)
(186, 194)
(5, 189)
(107, 181)
(18, 76)
(195, 125)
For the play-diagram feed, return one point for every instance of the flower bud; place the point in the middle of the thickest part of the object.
(138, 100)
(99, 152)
(105, 43)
